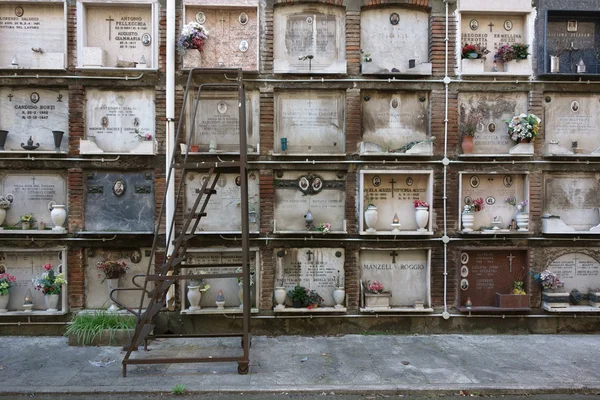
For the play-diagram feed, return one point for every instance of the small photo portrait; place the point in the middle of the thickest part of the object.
(575, 106)
(490, 200)
(572, 26)
(35, 97)
(508, 180)
(474, 181)
(492, 127)
(394, 103)
(464, 284)
(104, 121)
(464, 271)
(136, 256)
(19, 11)
(309, 20)
(468, 200)
(146, 39)
(464, 258)
(474, 24)
(394, 18)
(119, 188)
(238, 181)
(508, 25)
(222, 107)
(409, 181)
(243, 46)
(317, 184)
(376, 180)
(200, 17)
(480, 127)
(303, 184)
(136, 122)
(243, 18)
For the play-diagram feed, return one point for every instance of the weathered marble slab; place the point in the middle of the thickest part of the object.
(312, 30)
(321, 192)
(34, 113)
(223, 209)
(232, 40)
(494, 189)
(393, 37)
(312, 122)
(119, 201)
(217, 120)
(119, 119)
(571, 121)
(28, 26)
(391, 120)
(125, 33)
(318, 269)
(491, 110)
(25, 266)
(31, 193)
(574, 198)
(572, 37)
(405, 273)
(577, 270)
(96, 291)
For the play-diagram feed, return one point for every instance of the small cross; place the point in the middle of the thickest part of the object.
(394, 253)
(10, 96)
(222, 19)
(510, 260)
(32, 266)
(575, 262)
(110, 20)
(490, 25)
(309, 103)
(33, 179)
(309, 253)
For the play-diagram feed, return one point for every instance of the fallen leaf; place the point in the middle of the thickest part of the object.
(405, 362)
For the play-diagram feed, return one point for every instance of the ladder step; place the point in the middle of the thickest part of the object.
(208, 165)
(144, 332)
(196, 215)
(152, 311)
(207, 191)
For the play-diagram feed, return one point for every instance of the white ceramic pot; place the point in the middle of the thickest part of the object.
(371, 216)
(521, 67)
(422, 218)
(523, 222)
(25, 226)
(280, 295)
(4, 303)
(194, 295)
(220, 305)
(472, 66)
(467, 221)
(112, 284)
(51, 302)
(58, 216)
(2, 216)
(339, 294)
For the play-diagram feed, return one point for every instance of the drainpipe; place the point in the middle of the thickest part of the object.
(170, 117)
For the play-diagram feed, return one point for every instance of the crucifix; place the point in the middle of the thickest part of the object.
(575, 263)
(309, 253)
(32, 266)
(110, 20)
(392, 182)
(33, 179)
(571, 49)
(222, 19)
(510, 260)
(309, 102)
(491, 25)
(10, 96)
(394, 253)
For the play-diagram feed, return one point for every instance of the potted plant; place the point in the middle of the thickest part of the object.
(467, 131)
(196, 287)
(50, 284)
(376, 296)
(511, 55)
(523, 129)
(371, 214)
(112, 271)
(314, 299)
(6, 282)
(421, 214)
(299, 296)
(468, 214)
(100, 328)
(192, 37)
(4, 205)
(26, 221)
(472, 58)
(517, 298)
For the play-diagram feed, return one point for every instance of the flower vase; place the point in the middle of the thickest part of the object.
(112, 284)
(58, 216)
(371, 216)
(467, 144)
(280, 295)
(339, 294)
(4, 303)
(517, 67)
(2, 216)
(51, 302)
(3, 135)
(468, 219)
(58, 137)
(523, 222)
(422, 218)
(25, 226)
(554, 64)
(472, 66)
(194, 295)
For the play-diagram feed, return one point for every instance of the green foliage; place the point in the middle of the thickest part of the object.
(89, 326)
(299, 295)
(178, 390)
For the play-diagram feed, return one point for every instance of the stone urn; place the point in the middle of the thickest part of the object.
(51, 302)
(280, 295)
(4, 303)
(58, 216)
(112, 284)
(468, 220)
(339, 294)
(523, 221)
(371, 216)
(194, 295)
(422, 218)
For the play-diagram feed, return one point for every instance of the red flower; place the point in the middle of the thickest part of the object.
(48, 267)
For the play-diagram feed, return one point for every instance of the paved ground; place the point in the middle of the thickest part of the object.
(433, 364)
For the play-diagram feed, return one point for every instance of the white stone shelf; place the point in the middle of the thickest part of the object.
(115, 69)
(491, 233)
(31, 232)
(496, 74)
(399, 233)
(572, 233)
(310, 155)
(289, 310)
(315, 233)
(14, 151)
(222, 232)
(396, 309)
(217, 153)
(214, 310)
(113, 233)
(575, 155)
(570, 309)
(495, 155)
(32, 313)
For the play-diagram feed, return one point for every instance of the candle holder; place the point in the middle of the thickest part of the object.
(28, 302)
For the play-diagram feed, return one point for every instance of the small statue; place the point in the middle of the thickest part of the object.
(30, 145)
(220, 300)
(468, 303)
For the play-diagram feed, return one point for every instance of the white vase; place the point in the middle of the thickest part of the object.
(112, 284)
(194, 295)
(4, 303)
(51, 302)
(422, 218)
(280, 295)
(58, 216)
(2, 216)
(521, 67)
(339, 294)
(371, 216)
(472, 66)
(467, 221)
(554, 64)
(523, 222)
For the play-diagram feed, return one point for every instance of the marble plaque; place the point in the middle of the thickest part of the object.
(229, 286)
(30, 193)
(321, 192)
(309, 39)
(26, 266)
(311, 122)
(119, 201)
(494, 190)
(35, 33)
(393, 119)
(483, 273)
(394, 194)
(217, 119)
(318, 269)
(34, 113)
(574, 198)
(391, 38)
(572, 38)
(96, 291)
(404, 273)
(572, 121)
(493, 31)
(224, 208)
(120, 31)
(491, 111)
(119, 120)
(576, 270)
(232, 37)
